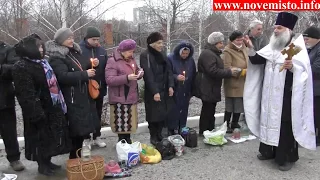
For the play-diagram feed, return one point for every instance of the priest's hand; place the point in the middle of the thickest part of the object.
(288, 64)
(247, 41)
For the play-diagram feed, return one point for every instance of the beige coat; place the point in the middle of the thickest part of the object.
(234, 57)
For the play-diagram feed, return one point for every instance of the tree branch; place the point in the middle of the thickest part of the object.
(86, 13)
(99, 15)
(33, 16)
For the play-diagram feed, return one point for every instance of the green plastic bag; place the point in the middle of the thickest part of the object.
(216, 137)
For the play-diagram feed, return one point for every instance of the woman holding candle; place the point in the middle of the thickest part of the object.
(122, 75)
(73, 76)
(184, 71)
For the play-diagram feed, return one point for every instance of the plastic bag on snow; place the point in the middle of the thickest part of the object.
(216, 136)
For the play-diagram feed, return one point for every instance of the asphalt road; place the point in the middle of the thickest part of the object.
(229, 162)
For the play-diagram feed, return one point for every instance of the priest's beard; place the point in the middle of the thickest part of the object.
(280, 41)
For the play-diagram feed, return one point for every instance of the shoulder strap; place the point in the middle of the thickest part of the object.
(75, 61)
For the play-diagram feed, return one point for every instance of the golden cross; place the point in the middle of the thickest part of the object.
(293, 50)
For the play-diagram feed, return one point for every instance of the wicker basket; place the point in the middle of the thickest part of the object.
(85, 170)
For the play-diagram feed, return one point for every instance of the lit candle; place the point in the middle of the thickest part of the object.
(134, 72)
(91, 63)
(184, 74)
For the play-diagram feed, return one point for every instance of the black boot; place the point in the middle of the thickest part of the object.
(153, 136)
(43, 167)
(227, 117)
(235, 121)
(159, 134)
(128, 138)
(52, 165)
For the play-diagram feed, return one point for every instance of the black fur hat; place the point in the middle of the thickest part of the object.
(29, 47)
(154, 37)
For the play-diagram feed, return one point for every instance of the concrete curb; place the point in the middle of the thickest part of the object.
(192, 122)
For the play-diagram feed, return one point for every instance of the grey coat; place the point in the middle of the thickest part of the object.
(258, 42)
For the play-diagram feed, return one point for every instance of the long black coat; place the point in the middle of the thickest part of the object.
(210, 74)
(45, 126)
(7, 59)
(158, 78)
(82, 114)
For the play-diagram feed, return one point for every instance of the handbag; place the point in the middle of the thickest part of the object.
(85, 170)
(93, 85)
(190, 136)
(93, 88)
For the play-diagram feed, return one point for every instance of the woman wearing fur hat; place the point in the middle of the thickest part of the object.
(73, 75)
(235, 55)
(122, 74)
(159, 84)
(43, 106)
(211, 71)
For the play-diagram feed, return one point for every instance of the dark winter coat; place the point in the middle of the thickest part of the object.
(82, 114)
(45, 126)
(158, 78)
(314, 56)
(210, 74)
(101, 54)
(7, 59)
(182, 90)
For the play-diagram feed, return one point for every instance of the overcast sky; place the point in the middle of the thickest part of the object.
(121, 11)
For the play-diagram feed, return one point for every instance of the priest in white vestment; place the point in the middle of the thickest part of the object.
(279, 105)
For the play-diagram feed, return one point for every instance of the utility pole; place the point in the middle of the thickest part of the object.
(64, 11)
(168, 27)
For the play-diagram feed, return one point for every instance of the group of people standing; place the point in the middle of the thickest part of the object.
(51, 85)
(51, 82)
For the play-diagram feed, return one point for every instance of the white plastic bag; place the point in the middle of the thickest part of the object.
(216, 136)
(178, 142)
(130, 153)
(9, 176)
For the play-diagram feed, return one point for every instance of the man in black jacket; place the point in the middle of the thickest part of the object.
(312, 40)
(8, 122)
(91, 50)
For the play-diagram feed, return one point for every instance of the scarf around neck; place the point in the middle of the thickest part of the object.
(55, 91)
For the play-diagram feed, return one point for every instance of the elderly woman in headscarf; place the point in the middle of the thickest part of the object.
(159, 85)
(184, 71)
(43, 107)
(122, 75)
(73, 76)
